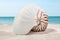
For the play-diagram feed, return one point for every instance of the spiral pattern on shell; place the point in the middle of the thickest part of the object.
(42, 22)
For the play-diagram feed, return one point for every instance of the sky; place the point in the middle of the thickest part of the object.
(12, 7)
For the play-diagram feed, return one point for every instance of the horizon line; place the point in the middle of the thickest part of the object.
(10, 16)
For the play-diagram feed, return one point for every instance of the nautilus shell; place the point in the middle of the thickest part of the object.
(25, 20)
(42, 22)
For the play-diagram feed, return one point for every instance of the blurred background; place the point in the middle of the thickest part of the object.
(9, 8)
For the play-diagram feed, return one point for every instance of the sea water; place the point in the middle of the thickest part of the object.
(10, 20)
(54, 19)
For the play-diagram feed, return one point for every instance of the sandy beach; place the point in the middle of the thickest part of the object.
(52, 33)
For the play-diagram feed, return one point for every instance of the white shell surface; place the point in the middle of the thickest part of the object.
(24, 20)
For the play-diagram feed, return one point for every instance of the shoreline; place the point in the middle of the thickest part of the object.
(12, 23)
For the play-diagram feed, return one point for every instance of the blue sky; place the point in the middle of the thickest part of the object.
(11, 7)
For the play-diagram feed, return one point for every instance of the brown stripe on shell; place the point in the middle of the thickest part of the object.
(44, 20)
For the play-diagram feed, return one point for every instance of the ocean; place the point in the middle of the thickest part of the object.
(10, 20)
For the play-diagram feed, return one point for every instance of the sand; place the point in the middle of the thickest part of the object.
(51, 33)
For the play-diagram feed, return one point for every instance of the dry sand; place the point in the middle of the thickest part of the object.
(51, 33)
